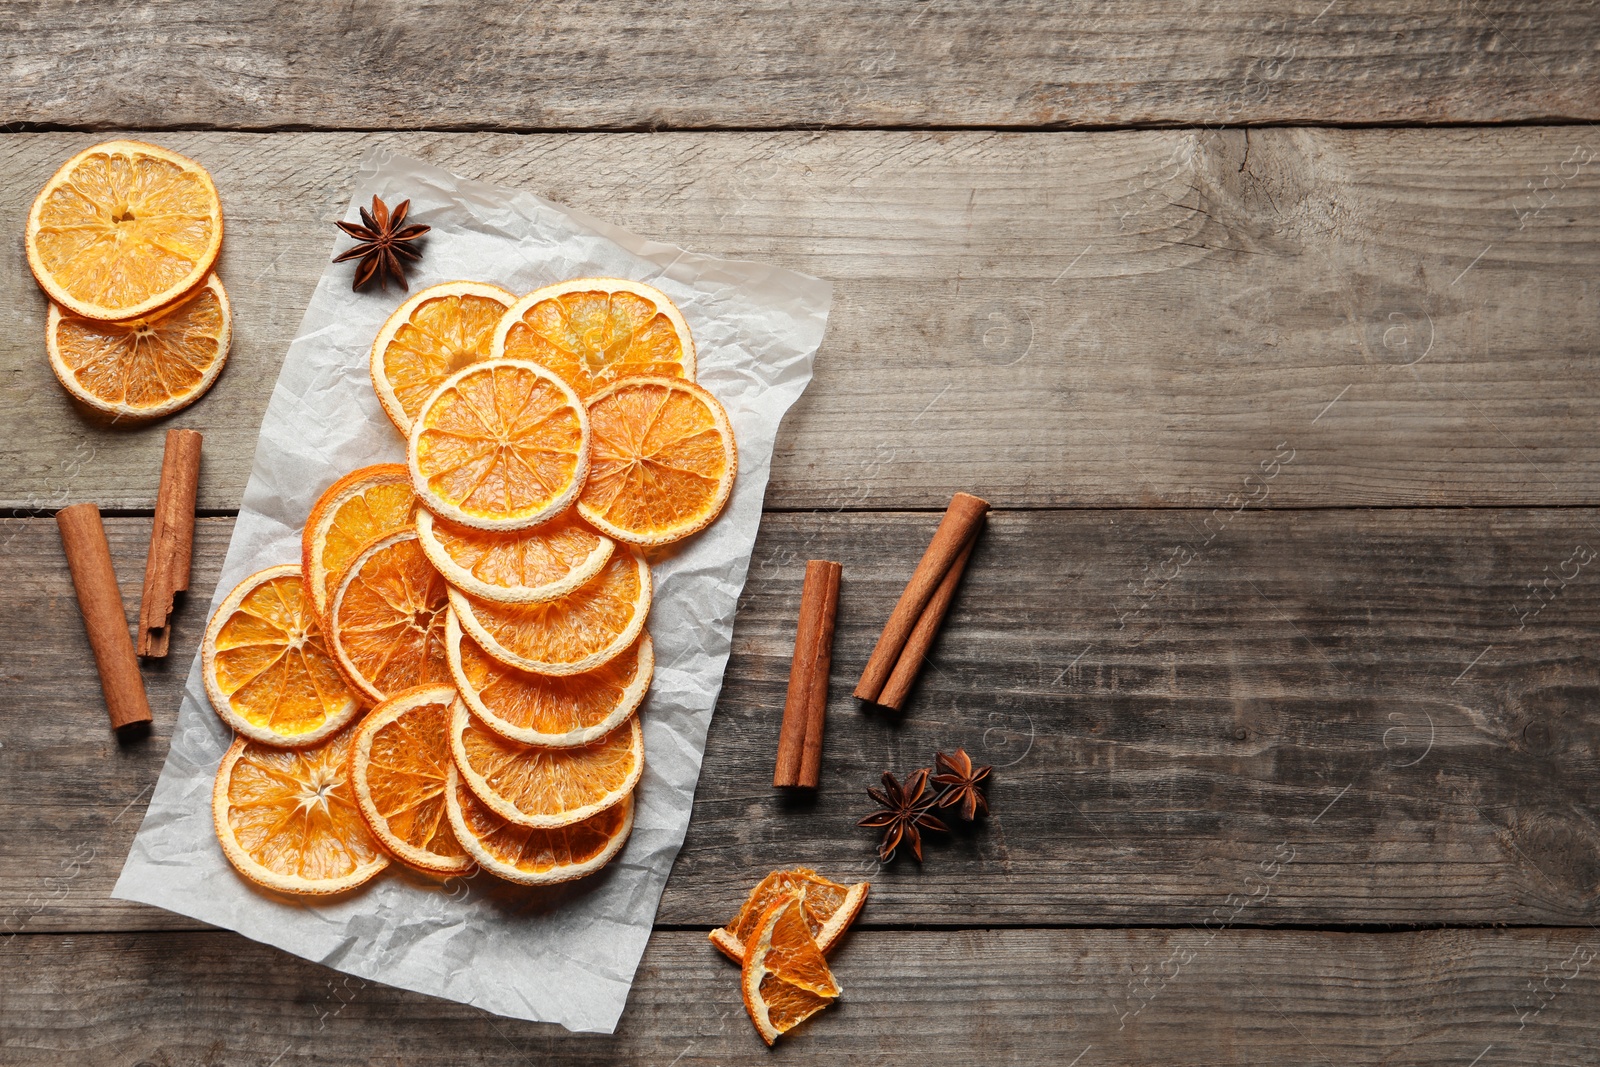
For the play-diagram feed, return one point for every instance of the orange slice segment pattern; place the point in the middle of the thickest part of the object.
(519, 567)
(353, 512)
(829, 909)
(662, 461)
(145, 368)
(387, 619)
(287, 819)
(399, 761)
(431, 336)
(547, 709)
(578, 633)
(785, 979)
(532, 856)
(594, 331)
(501, 445)
(267, 666)
(123, 229)
(532, 785)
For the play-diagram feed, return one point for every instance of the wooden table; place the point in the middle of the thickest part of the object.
(1268, 328)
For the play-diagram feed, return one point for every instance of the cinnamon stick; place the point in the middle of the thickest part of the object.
(898, 687)
(806, 707)
(84, 538)
(961, 520)
(166, 567)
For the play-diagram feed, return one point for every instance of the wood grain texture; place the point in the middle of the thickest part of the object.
(1120, 319)
(203, 63)
(992, 997)
(1323, 717)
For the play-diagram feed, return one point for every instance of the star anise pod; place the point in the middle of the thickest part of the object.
(963, 784)
(385, 243)
(905, 813)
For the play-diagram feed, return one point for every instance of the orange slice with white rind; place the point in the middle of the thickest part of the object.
(267, 666)
(829, 909)
(518, 567)
(594, 331)
(500, 445)
(435, 333)
(144, 368)
(399, 759)
(123, 229)
(584, 630)
(532, 785)
(354, 511)
(661, 461)
(785, 979)
(287, 820)
(548, 709)
(386, 619)
(530, 856)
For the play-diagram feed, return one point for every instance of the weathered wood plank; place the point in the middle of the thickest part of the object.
(834, 63)
(1093, 998)
(1127, 319)
(1325, 717)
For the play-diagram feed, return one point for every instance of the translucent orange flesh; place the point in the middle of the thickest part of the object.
(391, 619)
(145, 364)
(547, 703)
(538, 851)
(571, 628)
(593, 338)
(657, 459)
(381, 504)
(521, 559)
(820, 899)
(442, 336)
(545, 782)
(406, 770)
(273, 664)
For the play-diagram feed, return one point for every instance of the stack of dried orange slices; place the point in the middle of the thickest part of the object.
(450, 676)
(123, 239)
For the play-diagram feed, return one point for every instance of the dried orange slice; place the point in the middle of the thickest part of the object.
(517, 567)
(428, 338)
(354, 511)
(144, 368)
(784, 980)
(546, 709)
(501, 445)
(267, 666)
(398, 763)
(287, 819)
(661, 460)
(582, 631)
(123, 229)
(532, 785)
(386, 619)
(593, 331)
(829, 909)
(532, 856)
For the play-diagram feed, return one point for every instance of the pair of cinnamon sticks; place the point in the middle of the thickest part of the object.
(901, 648)
(83, 536)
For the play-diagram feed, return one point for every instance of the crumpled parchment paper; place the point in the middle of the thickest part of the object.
(566, 954)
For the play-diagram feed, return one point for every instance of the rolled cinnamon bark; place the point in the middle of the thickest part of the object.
(806, 707)
(960, 524)
(166, 567)
(898, 687)
(89, 556)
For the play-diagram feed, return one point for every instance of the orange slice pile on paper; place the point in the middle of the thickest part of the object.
(452, 675)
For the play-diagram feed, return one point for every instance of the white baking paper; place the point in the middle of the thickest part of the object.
(568, 954)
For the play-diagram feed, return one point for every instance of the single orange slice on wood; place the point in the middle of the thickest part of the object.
(144, 368)
(386, 619)
(518, 567)
(123, 229)
(532, 856)
(581, 632)
(287, 819)
(501, 445)
(532, 785)
(428, 338)
(547, 709)
(661, 461)
(593, 331)
(829, 909)
(399, 760)
(354, 511)
(784, 980)
(267, 666)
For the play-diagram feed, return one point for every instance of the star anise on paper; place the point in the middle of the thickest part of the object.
(963, 784)
(385, 244)
(906, 812)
